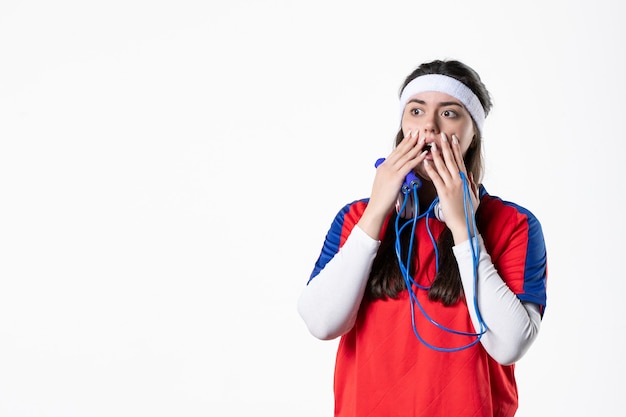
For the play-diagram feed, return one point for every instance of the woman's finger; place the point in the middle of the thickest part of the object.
(449, 156)
(439, 164)
(458, 155)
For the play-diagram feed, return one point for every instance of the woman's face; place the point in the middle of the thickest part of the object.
(430, 114)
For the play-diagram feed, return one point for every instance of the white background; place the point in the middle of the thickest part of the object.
(168, 171)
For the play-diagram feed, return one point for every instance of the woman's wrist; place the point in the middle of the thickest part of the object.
(460, 234)
(371, 223)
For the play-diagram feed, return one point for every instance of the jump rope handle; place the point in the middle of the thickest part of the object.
(411, 182)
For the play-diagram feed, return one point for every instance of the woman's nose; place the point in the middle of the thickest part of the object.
(430, 124)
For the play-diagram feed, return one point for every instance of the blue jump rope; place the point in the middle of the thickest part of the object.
(409, 191)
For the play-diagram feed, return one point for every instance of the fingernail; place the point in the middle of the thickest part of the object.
(444, 137)
(433, 146)
(455, 140)
(407, 134)
(422, 139)
(415, 134)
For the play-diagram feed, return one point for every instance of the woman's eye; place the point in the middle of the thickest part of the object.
(449, 113)
(416, 111)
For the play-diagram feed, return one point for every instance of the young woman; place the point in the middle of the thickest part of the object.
(435, 287)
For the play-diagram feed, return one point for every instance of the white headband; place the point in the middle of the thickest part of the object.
(448, 85)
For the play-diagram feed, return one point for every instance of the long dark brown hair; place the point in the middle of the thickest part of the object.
(386, 278)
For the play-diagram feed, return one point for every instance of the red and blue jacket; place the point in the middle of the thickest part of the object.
(382, 369)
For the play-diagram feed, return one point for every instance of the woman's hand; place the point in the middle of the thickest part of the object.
(388, 181)
(445, 174)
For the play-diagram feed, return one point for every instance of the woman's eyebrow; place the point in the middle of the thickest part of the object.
(441, 104)
(450, 103)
